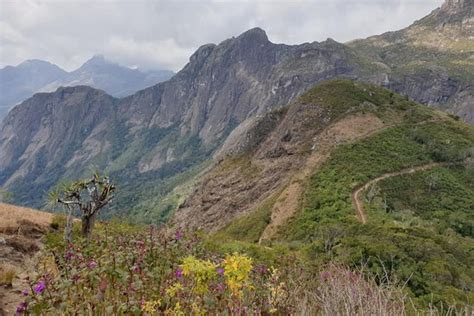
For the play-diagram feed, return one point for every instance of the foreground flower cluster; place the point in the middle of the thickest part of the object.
(146, 273)
(126, 271)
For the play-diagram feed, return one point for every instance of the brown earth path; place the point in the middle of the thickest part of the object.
(359, 204)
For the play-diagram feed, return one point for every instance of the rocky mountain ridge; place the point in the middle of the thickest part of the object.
(21, 82)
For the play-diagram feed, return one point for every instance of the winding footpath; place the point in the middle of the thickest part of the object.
(358, 203)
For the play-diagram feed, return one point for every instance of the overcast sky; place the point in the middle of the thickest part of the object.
(164, 33)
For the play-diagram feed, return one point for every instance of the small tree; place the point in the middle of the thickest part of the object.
(5, 196)
(89, 197)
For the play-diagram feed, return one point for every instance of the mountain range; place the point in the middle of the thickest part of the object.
(358, 153)
(164, 135)
(17, 83)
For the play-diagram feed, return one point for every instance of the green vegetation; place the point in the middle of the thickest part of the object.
(136, 270)
(435, 261)
(442, 198)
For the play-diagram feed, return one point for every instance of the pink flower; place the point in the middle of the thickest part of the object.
(179, 273)
(136, 268)
(92, 265)
(220, 271)
(179, 235)
(39, 288)
(21, 308)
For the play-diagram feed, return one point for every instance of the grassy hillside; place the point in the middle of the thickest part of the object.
(419, 227)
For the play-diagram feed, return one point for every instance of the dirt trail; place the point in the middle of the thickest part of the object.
(359, 205)
(346, 130)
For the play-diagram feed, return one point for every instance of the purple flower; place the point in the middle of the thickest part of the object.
(220, 287)
(325, 276)
(25, 292)
(179, 273)
(92, 264)
(136, 268)
(21, 308)
(220, 271)
(178, 235)
(69, 255)
(39, 288)
(261, 269)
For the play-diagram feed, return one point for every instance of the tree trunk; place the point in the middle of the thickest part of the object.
(69, 222)
(88, 224)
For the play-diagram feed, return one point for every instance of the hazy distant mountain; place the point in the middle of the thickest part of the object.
(21, 82)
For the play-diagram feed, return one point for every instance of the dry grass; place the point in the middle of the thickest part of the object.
(12, 217)
(7, 274)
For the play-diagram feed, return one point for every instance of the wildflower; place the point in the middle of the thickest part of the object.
(174, 289)
(39, 288)
(92, 265)
(179, 273)
(261, 269)
(201, 271)
(324, 276)
(178, 235)
(69, 255)
(220, 287)
(220, 271)
(149, 307)
(25, 292)
(21, 308)
(136, 268)
(237, 269)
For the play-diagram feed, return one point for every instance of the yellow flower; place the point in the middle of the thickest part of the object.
(202, 272)
(149, 307)
(171, 292)
(237, 270)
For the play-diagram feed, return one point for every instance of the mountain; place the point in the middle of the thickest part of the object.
(351, 173)
(157, 139)
(21, 82)
(163, 130)
(116, 80)
(432, 60)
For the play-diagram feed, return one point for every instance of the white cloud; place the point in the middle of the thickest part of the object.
(163, 33)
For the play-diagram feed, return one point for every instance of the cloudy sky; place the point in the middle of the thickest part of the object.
(164, 33)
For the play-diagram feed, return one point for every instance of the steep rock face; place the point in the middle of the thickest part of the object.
(224, 84)
(49, 132)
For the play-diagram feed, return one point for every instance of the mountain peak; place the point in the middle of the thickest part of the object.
(255, 34)
(97, 60)
(456, 5)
